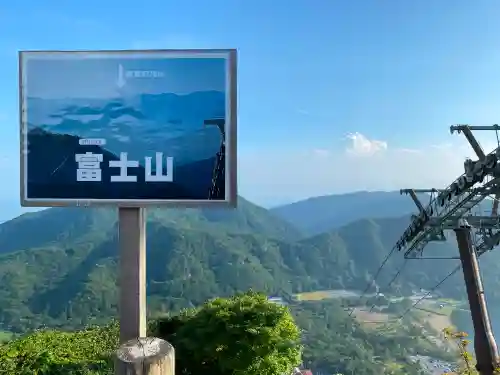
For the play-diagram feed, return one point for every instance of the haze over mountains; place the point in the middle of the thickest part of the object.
(318, 214)
(58, 267)
(155, 122)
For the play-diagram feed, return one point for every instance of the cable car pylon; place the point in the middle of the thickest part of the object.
(450, 209)
(218, 187)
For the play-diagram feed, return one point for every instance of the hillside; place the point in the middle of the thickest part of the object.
(68, 224)
(64, 272)
(332, 342)
(319, 214)
(355, 251)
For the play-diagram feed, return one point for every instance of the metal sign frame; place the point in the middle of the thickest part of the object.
(230, 170)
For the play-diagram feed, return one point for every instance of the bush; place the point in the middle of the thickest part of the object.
(53, 352)
(245, 334)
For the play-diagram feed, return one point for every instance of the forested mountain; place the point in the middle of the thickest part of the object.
(319, 214)
(57, 224)
(59, 266)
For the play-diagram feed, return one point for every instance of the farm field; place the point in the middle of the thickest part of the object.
(320, 295)
(436, 312)
(365, 317)
(313, 296)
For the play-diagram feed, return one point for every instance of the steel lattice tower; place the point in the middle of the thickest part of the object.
(451, 209)
(218, 187)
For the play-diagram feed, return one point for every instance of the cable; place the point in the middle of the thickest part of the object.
(425, 295)
(429, 292)
(392, 280)
(435, 287)
(374, 278)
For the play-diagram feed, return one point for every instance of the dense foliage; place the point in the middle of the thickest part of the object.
(64, 273)
(85, 352)
(244, 334)
(336, 343)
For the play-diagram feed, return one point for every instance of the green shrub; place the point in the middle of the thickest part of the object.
(50, 352)
(244, 334)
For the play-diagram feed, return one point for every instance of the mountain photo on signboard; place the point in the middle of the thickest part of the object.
(136, 114)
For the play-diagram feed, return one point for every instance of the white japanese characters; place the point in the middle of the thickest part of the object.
(124, 164)
(89, 168)
(158, 176)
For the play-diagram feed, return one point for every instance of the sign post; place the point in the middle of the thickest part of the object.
(128, 129)
(132, 239)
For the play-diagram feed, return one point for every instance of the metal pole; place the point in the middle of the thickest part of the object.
(132, 239)
(485, 346)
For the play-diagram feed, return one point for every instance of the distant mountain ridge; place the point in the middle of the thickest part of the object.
(52, 174)
(73, 221)
(319, 214)
(138, 124)
(58, 267)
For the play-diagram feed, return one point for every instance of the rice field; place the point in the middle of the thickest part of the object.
(320, 295)
(314, 296)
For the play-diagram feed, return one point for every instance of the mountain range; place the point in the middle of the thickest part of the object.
(319, 214)
(139, 124)
(52, 173)
(58, 267)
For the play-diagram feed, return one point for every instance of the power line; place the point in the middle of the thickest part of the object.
(373, 279)
(393, 280)
(424, 296)
(429, 292)
(436, 286)
(452, 209)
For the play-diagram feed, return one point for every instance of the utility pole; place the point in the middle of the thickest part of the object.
(451, 209)
(485, 345)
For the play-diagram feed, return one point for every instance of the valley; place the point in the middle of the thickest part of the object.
(432, 311)
(64, 275)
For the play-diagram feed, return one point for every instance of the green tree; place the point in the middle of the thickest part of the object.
(466, 362)
(466, 366)
(244, 334)
(87, 352)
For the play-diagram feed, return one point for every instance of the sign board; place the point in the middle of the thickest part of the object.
(131, 128)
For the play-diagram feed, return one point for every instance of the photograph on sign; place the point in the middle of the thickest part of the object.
(128, 127)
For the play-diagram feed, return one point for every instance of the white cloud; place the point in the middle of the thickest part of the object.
(362, 146)
(364, 164)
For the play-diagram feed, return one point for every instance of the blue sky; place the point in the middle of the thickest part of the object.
(334, 96)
